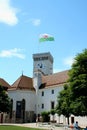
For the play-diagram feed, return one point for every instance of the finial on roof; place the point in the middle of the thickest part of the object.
(22, 72)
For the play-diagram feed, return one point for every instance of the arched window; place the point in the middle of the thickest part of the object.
(11, 108)
(23, 104)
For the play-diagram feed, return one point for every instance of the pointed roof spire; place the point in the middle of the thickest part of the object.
(22, 72)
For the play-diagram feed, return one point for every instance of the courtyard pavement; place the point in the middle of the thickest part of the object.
(38, 125)
(45, 126)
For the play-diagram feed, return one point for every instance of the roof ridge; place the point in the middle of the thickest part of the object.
(25, 76)
(61, 71)
(56, 78)
(3, 81)
(55, 73)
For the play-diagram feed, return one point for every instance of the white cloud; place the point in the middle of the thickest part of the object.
(68, 61)
(12, 53)
(35, 22)
(8, 13)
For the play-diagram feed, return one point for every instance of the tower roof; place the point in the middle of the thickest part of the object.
(23, 82)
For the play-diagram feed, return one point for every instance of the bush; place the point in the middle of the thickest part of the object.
(45, 116)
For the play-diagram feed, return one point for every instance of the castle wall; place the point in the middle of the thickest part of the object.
(48, 97)
(27, 111)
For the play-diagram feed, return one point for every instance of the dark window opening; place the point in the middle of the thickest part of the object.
(42, 106)
(52, 105)
(42, 93)
(52, 91)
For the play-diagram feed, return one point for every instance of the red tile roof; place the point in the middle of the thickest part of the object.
(23, 82)
(55, 79)
(3, 83)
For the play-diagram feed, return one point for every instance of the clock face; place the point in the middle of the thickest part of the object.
(40, 65)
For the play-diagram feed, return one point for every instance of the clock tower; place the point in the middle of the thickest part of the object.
(42, 65)
(43, 62)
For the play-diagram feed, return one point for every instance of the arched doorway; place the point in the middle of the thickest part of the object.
(20, 111)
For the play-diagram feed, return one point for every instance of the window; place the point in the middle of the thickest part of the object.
(52, 91)
(42, 93)
(23, 104)
(52, 104)
(18, 109)
(11, 110)
(42, 106)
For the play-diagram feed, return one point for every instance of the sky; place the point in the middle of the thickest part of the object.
(23, 21)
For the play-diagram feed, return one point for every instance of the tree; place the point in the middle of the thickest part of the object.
(52, 112)
(45, 116)
(63, 103)
(78, 84)
(4, 100)
(73, 98)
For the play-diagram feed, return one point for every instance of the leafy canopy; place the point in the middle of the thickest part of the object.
(73, 99)
(4, 100)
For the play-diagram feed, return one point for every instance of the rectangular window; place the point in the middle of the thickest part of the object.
(42, 93)
(52, 91)
(52, 104)
(42, 106)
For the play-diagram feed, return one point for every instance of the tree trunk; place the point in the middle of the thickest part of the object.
(1, 117)
(68, 120)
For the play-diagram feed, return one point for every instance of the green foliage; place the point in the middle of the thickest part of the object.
(73, 99)
(45, 116)
(64, 102)
(53, 111)
(78, 84)
(4, 100)
(78, 107)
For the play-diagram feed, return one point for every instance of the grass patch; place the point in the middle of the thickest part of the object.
(7, 127)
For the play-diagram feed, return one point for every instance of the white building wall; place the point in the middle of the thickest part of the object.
(82, 121)
(29, 96)
(48, 97)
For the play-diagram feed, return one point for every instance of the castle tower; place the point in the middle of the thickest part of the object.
(42, 65)
(43, 62)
